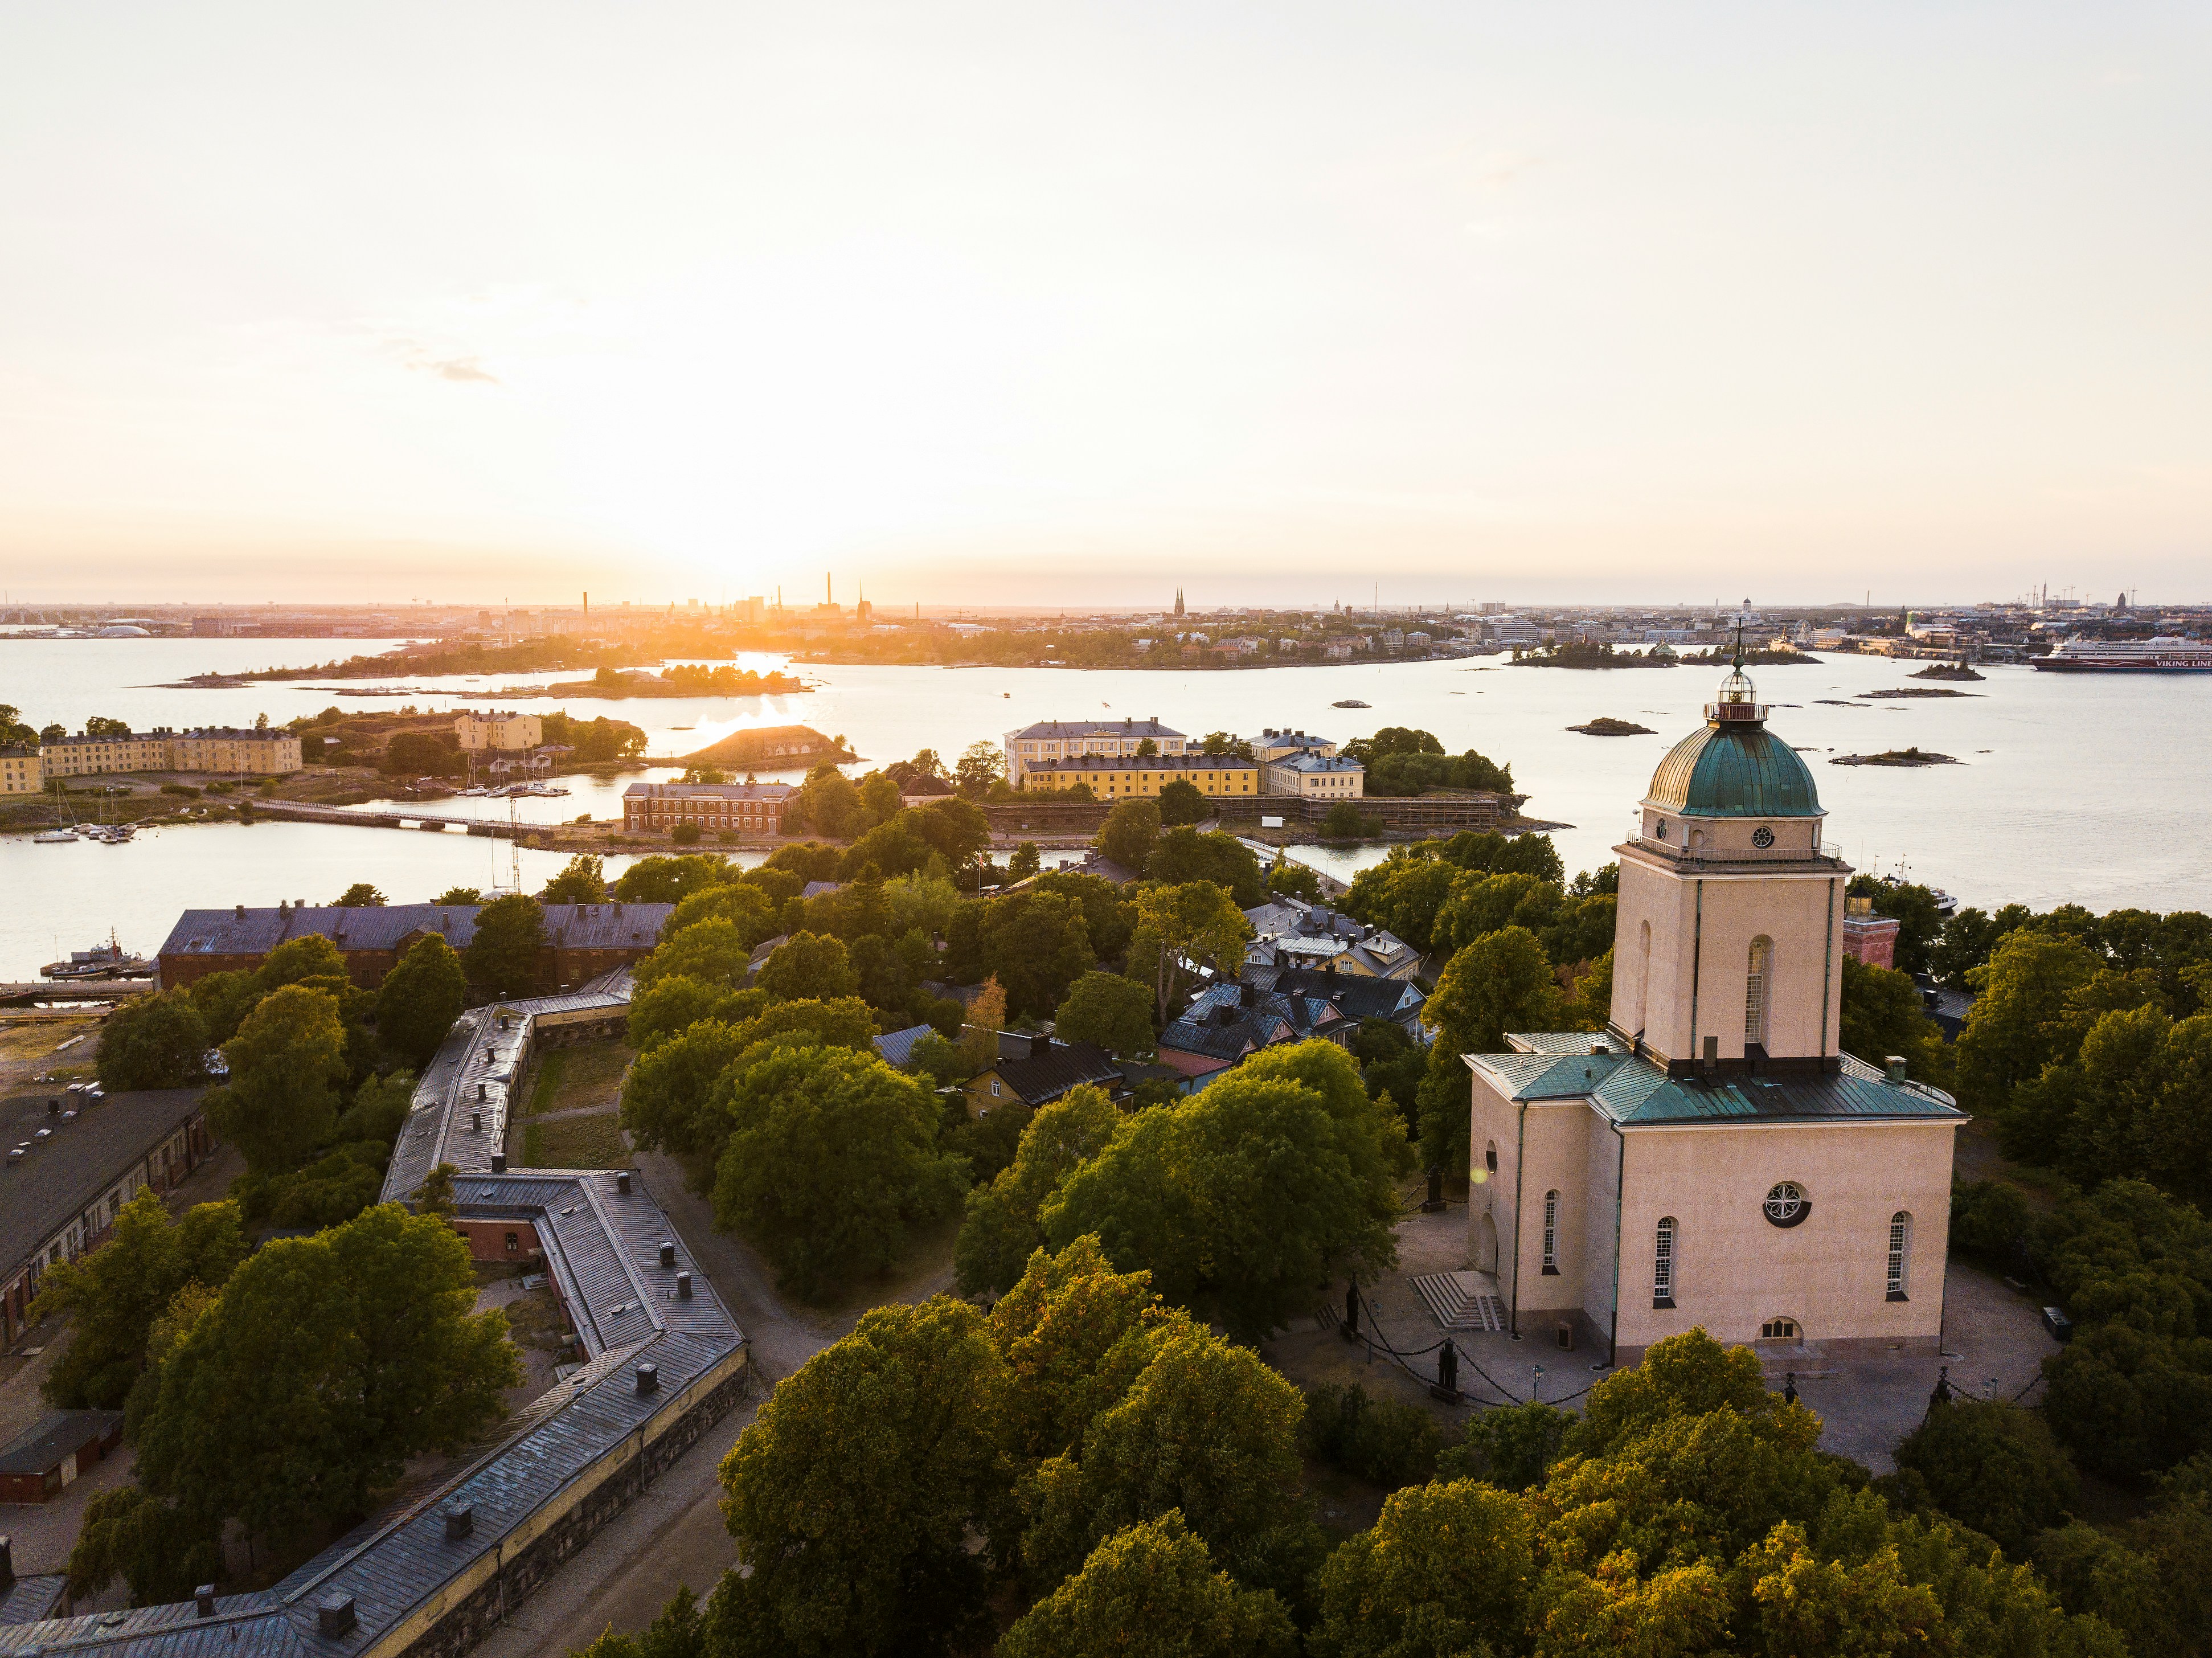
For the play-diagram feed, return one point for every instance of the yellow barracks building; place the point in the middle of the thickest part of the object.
(1120, 777)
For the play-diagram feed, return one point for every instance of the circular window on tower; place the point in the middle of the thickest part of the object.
(1786, 1203)
(1762, 837)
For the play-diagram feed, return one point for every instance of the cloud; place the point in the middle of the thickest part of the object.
(455, 368)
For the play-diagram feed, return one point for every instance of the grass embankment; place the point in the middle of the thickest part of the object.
(587, 1081)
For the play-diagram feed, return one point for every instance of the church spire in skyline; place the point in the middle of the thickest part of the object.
(1178, 601)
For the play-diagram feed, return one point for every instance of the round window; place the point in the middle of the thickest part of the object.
(1786, 1203)
(1762, 836)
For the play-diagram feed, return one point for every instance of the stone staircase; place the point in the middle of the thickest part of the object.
(1461, 1301)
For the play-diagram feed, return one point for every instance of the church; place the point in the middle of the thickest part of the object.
(1712, 1158)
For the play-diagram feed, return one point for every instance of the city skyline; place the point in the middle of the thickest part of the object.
(1066, 305)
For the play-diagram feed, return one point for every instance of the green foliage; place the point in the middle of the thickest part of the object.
(1108, 918)
(714, 951)
(419, 1001)
(673, 1003)
(1205, 1428)
(1075, 1334)
(1026, 862)
(459, 895)
(1447, 1570)
(156, 1041)
(2135, 1100)
(686, 834)
(2020, 1023)
(1919, 921)
(582, 880)
(502, 958)
(422, 753)
(1385, 1441)
(1291, 880)
(162, 1552)
(1243, 1200)
(670, 880)
(1501, 982)
(2132, 1391)
(1131, 831)
(1403, 761)
(1403, 894)
(680, 1631)
(361, 895)
(1000, 1230)
(809, 966)
(1183, 854)
(376, 1313)
(831, 1161)
(1179, 930)
(1150, 1591)
(937, 1061)
(1344, 822)
(1882, 1015)
(286, 1063)
(855, 1492)
(1989, 1219)
(1511, 1446)
(1036, 945)
(328, 1192)
(1182, 803)
(1110, 1011)
(114, 1294)
(1994, 1466)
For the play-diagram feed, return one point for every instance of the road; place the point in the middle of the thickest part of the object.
(673, 1534)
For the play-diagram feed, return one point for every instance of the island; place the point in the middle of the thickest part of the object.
(1606, 726)
(1767, 656)
(773, 748)
(1896, 758)
(1350, 702)
(679, 679)
(1946, 670)
(1581, 653)
(1916, 690)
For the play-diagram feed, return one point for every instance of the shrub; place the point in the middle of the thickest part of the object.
(684, 834)
(185, 789)
(1511, 1446)
(1380, 1440)
(1995, 1467)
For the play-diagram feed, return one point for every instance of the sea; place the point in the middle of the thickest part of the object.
(2088, 789)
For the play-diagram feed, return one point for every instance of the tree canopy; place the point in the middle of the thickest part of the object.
(156, 1041)
(286, 1063)
(502, 957)
(419, 1001)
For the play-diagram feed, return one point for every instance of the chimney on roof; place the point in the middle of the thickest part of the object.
(1244, 992)
(1039, 1045)
(683, 1286)
(499, 1162)
(622, 1181)
(461, 1521)
(649, 1378)
(241, 912)
(334, 1615)
(203, 1600)
(667, 1253)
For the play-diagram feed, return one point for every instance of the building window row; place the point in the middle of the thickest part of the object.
(1666, 1254)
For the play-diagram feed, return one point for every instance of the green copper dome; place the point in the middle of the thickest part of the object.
(1735, 767)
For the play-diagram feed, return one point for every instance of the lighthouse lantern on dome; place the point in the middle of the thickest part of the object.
(1738, 702)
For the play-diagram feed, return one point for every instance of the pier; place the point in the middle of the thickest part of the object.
(75, 990)
(302, 811)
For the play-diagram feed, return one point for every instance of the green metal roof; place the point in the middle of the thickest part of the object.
(1634, 1092)
(1739, 770)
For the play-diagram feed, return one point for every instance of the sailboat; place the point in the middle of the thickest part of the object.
(58, 835)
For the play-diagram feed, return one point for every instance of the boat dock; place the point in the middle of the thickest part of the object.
(304, 812)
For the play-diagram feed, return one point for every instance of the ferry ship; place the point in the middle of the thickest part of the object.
(2164, 654)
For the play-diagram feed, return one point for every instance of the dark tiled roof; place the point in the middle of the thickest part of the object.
(1036, 1078)
(258, 931)
(33, 1599)
(1353, 995)
(44, 1444)
(897, 1047)
(1095, 728)
(65, 1174)
(709, 791)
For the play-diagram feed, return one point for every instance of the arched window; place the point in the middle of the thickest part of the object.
(1778, 1329)
(1900, 1254)
(1550, 1231)
(1754, 992)
(1642, 976)
(1663, 1264)
(1490, 1156)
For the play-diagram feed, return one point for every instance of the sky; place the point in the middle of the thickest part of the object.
(1041, 303)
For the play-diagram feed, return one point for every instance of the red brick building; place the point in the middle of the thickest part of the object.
(755, 808)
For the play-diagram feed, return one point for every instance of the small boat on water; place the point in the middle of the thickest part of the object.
(107, 961)
(53, 837)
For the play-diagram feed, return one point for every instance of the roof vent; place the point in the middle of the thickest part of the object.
(667, 1253)
(683, 1286)
(461, 1521)
(476, 1123)
(481, 1094)
(622, 1181)
(1599, 1048)
(1894, 1066)
(499, 1162)
(649, 1378)
(203, 1600)
(241, 912)
(334, 1616)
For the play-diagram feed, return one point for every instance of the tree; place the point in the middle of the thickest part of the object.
(979, 1035)
(1036, 945)
(745, 906)
(829, 805)
(436, 1195)
(1181, 929)
(1403, 894)
(808, 967)
(459, 895)
(582, 880)
(360, 896)
(1205, 1428)
(161, 1551)
(286, 1063)
(101, 725)
(2019, 1023)
(156, 1042)
(377, 1314)
(855, 1492)
(1183, 854)
(1882, 1015)
(1151, 1591)
(712, 952)
(1995, 1467)
(1182, 803)
(1343, 822)
(982, 763)
(1129, 833)
(503, 956)
(1448, 1569)
(1512, 1446)
(1291, 880)
(1110, 1011)
(115, 1293)
(674, 1003)
(1000, 1232)
(669, 880)
(956, 831)
(1026, 862)
(831, 1161)
(926, 762)
(666, 1093)
(1244, 1200)
(420, 999)
(419, 753)
(686, 834)
(1498, 983)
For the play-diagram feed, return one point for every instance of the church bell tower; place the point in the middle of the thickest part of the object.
(1729, 939)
